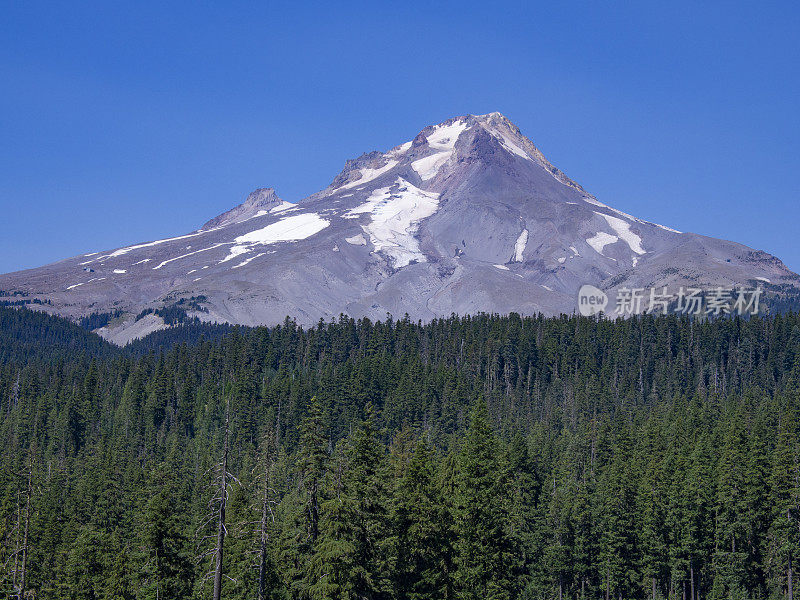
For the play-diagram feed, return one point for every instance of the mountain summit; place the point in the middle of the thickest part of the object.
(468, 216)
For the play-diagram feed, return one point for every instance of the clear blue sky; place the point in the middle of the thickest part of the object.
(125, 122)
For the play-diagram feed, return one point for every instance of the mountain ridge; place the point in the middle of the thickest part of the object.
(467, 216)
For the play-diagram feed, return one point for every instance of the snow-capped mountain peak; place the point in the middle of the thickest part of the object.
(466, 216)
(489, 137)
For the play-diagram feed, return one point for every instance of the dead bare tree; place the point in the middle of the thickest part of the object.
(25, 537)
(256, 525)
(12, 562)
(22, 550)
(218, 505)
(13, 399)
(267, 516)
(223, 503)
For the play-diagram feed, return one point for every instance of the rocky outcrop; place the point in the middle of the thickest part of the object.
(262, 199)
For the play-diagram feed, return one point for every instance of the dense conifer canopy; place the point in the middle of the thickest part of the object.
(476, 458)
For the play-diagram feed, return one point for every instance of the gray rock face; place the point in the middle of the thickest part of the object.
(262, 199)
(468, 216)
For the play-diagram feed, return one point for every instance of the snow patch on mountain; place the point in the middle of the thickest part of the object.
(282, 207)
(401, 149)
(75, 285)
(600, 240)
(235, 251)
(665, 228)
(127, 249)
(519, 245)
(509, 144)
(623, 230)
(596, 202)
(394, 219)
(357, 240)
(444, 136)
(429, 166)
(368, 174)
(288, 229)
(248, 260)
(169, 260)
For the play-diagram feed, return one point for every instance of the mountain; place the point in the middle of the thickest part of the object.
(468, 216)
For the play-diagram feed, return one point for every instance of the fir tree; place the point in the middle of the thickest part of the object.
(488, 558)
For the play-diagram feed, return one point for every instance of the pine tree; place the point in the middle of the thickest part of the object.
(784, 500)
(352, 558)
(651, 513)
(556, 503)
(301, 507)
(166, 569)
(525, 491)
(732, 526)
(616, 520)
(421, 526)
(584, 551)
(488, 557)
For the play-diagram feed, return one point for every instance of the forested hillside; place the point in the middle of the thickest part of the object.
(470, 458)
(31, 336)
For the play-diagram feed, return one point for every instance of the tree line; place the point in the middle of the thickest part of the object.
(469, 458)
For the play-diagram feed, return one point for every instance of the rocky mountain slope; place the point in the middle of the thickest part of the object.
(469, 216)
